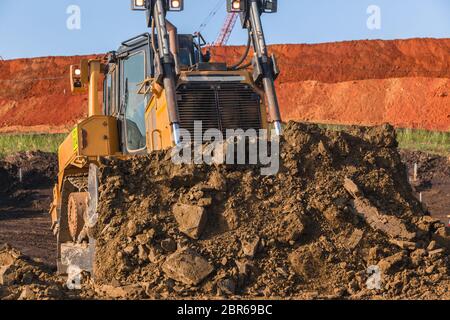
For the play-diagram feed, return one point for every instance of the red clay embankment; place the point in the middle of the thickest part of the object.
(403, 82)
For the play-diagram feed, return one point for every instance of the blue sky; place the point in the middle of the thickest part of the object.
(31, 28)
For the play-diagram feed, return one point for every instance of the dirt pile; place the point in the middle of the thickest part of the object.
(338, 220)
(22, 278)
(403, 82)
(432, 181)
(25, 171)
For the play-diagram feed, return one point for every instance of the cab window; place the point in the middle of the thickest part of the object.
(134, 103)
(107, 95)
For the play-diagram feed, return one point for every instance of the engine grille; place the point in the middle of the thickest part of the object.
(219, 105)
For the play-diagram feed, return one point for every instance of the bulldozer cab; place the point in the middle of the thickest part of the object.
(127, 70)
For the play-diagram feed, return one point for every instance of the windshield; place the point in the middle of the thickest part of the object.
(134, 74)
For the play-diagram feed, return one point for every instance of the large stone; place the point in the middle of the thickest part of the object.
(7, 275)
(355, 239)
(393, 263)
(27, 294)
(352, 188)
(191, 219)
(306, 261)
(249, 248)
(390, 225)
(187, 267)
(293, 228)
(8, 257)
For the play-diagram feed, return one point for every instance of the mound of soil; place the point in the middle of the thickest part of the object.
(339, 220)
(22, 278)
(39, 169)
(433, 181)
(7, 177)
(27, 171)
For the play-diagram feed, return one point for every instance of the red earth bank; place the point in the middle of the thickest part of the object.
(403, 82)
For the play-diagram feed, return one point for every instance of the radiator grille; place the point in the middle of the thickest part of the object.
(219, 105)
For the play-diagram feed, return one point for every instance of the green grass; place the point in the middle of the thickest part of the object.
(410, 139)
(423, 140)
(10, 143)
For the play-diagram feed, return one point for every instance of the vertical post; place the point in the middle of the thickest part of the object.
(168, 67)
(261, 51)
(415, 172)
(94, 77)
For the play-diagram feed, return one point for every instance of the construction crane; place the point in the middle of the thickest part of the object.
(227, 29)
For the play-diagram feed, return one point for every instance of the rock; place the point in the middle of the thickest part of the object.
(393, 263)
(352, 188)
(292, 227)
(404, 244)
(305, 261)
(125, 292)
(226, 287)
(8, 257)
(217, 181)
(204, 202)
(191, 219)
(417, 256)
(249, 248)
(432, 246)
(436, 253)
(429, 270)
(132, 228)
(142, 254)
(153, 255)
(390, 225)
(129, 249)
(27, 294)
(7, 275)
(169, 245)
(244, 267)
(142, 239)
(355, 239)
(187, 267)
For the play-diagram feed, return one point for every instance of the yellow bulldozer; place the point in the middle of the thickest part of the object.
(155, 84)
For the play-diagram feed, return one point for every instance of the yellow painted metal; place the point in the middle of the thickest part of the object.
(95, 108)
(94, 137)
(159, 131)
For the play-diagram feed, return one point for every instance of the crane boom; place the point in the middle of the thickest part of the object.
(226, 30)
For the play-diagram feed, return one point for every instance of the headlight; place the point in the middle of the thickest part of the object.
(175, 5)
(270, 6)
(236, 5)
(138, 5)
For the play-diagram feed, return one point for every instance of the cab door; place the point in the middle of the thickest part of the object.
(133, 69)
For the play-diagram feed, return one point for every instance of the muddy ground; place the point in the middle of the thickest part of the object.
(24, 219)
(24, 222)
